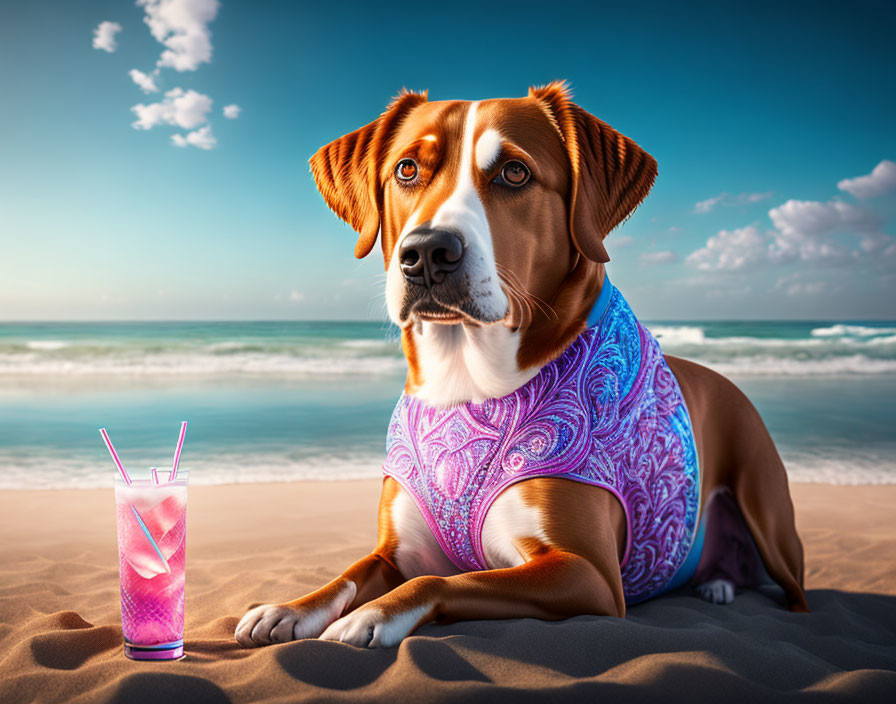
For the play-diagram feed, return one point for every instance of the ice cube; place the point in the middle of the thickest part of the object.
(162, 517)
(141, 556)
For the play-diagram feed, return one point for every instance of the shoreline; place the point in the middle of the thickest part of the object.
(889, 481)
(864, 512)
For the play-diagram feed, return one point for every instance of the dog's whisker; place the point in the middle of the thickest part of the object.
(522, 303)
(512, 281)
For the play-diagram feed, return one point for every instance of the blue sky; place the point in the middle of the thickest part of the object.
(756, 111)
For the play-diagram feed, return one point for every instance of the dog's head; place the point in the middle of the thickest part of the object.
(489, 213)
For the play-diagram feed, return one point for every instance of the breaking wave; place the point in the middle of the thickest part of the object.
(370, 349)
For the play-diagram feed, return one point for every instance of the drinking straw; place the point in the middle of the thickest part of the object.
(124, 474)
(150, 539)
(180, 445)
(155, 475)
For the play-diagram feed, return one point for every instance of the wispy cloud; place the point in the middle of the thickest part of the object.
(705, 206)
(621, 241)
(201, 138)
(182, 27)
(231, 112)
(796, 284)
(146, 82)
(663, 257)
(296, 296)
(880, 181)
(728, 200)
(104, 36)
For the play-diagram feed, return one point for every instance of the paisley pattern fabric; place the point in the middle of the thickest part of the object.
(608, 412)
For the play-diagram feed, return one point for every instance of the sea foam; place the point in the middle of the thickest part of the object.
(270, 349)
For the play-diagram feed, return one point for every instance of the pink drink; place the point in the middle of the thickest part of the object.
(151, 567)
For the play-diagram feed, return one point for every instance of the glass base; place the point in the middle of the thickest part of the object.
(163, 651)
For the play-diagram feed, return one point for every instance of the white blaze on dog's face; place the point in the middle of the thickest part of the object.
(475, 206)
(442, 266)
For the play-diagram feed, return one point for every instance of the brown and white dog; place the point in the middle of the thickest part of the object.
(491, 216)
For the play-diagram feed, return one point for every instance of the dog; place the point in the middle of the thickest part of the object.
(492, 217)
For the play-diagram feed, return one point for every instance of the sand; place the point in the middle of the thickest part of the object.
(60, 634)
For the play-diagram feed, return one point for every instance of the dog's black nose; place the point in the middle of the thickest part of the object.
(428, 254)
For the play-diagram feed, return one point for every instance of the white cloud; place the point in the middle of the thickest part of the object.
(146, 82)
(201, 138)
(104, 36)
(705, 206)
(880, 181)
(185, 109)
(730, 250)
(664, 257)
(804, 231)
(802, 228)
(182, 27)
(809, 217)
(296, 296)
(231, 112)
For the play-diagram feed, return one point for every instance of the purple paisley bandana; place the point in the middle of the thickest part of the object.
(608, 412)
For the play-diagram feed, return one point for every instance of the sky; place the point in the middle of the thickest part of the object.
(153, 156)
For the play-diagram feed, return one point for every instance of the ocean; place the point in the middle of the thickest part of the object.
(284, 401)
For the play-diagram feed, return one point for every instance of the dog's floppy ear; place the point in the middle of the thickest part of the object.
(611, 174)
(346, 170)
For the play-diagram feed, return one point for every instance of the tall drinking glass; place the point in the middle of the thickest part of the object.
(152, 532)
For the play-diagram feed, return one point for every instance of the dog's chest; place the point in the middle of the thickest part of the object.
(608, 413)
(508, 520)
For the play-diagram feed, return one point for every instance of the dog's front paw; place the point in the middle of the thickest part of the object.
(370, 627)
(304, 618)
(277, 623)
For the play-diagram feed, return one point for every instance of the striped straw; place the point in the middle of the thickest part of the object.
(180, 446)
(124, 474)
(151, 540)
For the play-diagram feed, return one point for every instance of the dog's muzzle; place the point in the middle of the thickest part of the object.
(435, 264)
(427, 255)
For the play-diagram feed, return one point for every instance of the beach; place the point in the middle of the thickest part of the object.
(61, 640)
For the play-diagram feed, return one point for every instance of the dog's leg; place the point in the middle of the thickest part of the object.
(730, 558)
(552, 585)
(737, 452)
(308, 616)
(764, 500)
(758, 481)
(570, 568)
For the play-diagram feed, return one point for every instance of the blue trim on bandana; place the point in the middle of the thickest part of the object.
(601, 304)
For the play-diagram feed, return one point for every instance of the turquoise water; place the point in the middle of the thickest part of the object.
(298, 400)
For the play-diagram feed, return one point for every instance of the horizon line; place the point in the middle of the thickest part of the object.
(42, 321)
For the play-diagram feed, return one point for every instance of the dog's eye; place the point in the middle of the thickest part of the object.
(406, 170)
(514, 174)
